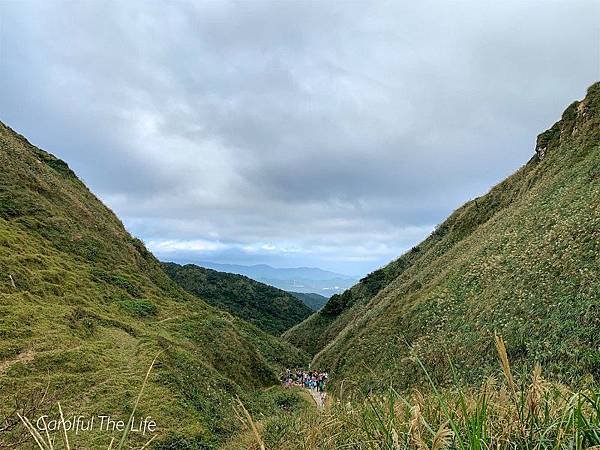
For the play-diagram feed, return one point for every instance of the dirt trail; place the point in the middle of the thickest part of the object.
(318, 397)
(23, 357)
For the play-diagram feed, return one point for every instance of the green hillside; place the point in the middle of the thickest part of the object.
(522, 260)
(267, 307)
(313, 301)
(84, 309)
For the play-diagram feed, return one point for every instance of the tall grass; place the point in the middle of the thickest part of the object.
(528, 413)
(513, 412)
(46, 442)
(246, 418)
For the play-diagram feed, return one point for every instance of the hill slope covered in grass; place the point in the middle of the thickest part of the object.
(84, 309)
(522, 261)
(312, 300)
(267, 307)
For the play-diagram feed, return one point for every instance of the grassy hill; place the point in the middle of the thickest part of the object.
(267, 307)
(313, 301)
(84, 309)
(522, 261)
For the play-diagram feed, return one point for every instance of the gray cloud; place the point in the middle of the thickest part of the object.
(296, 133)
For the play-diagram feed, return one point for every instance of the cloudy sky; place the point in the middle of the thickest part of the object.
(334, 134)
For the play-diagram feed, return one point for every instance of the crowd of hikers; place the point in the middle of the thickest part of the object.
(314, 380)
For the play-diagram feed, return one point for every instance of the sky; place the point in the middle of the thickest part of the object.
(333, 134)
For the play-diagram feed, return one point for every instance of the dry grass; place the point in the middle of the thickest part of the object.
(246, 418)
(515, 413)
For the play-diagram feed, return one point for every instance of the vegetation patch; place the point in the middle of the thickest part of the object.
(269, 308)
(139, 307)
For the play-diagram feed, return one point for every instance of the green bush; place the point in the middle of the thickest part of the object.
(139, 307)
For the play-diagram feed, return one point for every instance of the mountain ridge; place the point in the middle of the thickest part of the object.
(269, 308)
(312, 300)
(85, 307)
(501, 247)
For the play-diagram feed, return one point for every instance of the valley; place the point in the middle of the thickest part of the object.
(483, 335)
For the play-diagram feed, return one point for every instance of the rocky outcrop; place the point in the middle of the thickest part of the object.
(579, 117)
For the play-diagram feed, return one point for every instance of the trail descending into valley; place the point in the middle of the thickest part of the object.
(312, 381)
(318, 397)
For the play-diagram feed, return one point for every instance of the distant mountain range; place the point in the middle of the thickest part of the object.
(293, 279)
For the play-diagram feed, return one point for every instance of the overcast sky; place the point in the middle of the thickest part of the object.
(331, 134)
